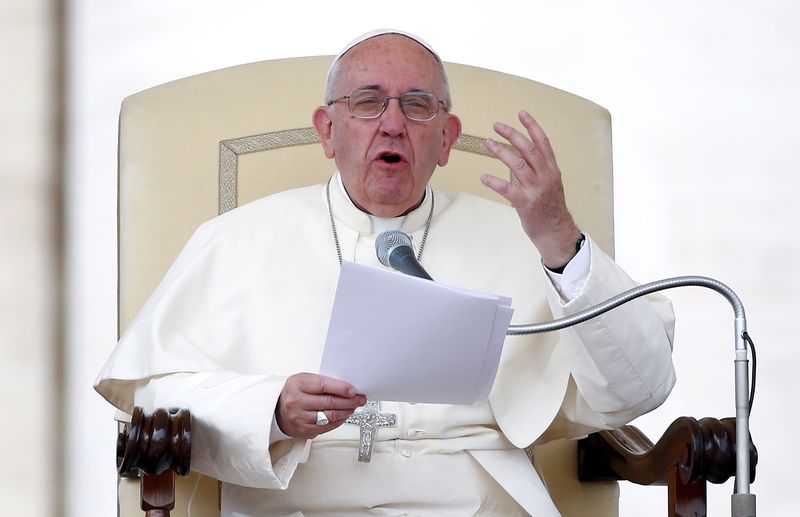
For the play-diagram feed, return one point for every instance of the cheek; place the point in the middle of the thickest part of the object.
(350, 145)
(430, 150)
(343, 150)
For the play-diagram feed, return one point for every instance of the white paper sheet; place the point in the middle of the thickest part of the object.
(401, 338)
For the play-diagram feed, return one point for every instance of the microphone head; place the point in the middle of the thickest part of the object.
(387, 242)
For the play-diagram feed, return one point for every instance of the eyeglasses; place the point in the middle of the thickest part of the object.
(368, 103)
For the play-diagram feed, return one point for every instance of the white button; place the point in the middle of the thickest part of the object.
(416, 432)
(406, 453)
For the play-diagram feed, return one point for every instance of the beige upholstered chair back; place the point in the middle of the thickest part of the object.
(202, 145)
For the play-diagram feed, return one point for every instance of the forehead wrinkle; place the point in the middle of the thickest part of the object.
(395, 48)
(388, 42)
(377, 88)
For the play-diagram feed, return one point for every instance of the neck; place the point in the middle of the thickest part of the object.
(365, 224)
(386, 212)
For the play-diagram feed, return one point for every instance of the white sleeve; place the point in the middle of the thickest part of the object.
(623, 366)
(231, 425)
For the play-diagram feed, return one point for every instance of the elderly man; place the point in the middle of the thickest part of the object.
(238, 350)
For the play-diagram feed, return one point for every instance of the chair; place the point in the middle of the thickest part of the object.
(202, 145)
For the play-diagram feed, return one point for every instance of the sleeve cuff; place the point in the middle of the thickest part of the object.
(569, 284)
(275, 433)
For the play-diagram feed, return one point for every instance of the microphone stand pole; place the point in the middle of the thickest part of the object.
(743, 503)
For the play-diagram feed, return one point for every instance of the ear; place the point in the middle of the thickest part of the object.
(452, 130)
(324, 126)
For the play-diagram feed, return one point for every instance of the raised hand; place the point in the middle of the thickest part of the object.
(536, 192)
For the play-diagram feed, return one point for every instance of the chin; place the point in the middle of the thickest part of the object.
(385, 205)
(390, 191)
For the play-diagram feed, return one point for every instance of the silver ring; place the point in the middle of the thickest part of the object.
(322, 419)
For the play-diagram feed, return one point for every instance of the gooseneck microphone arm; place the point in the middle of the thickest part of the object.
(636, 292)
(394, 249)
(742, 501)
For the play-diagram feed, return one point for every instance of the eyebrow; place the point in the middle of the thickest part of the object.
(375, 87)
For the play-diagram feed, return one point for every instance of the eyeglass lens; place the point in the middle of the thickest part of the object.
(415, 105)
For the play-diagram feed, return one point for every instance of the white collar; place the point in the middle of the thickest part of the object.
(345, 210)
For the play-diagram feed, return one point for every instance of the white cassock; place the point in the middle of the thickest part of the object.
(247, 304)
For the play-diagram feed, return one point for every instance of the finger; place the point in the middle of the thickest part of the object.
(303, 422)
(335, 419)
(317, 384)
(524, 147)
(336, 387)
(518, 166)
(506, 189)
(326, 402)
(334, 416)
(540, 140)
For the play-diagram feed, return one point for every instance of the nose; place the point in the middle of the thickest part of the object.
(393, 120)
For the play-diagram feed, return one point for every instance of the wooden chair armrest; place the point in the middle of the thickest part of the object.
(156, 447)
(689, 454)
(704, 449)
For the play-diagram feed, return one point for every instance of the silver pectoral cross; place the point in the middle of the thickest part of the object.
(368, 418)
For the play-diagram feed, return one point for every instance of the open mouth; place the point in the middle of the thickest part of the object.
(389, 157)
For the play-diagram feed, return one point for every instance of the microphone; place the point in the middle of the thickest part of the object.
(395, 251)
